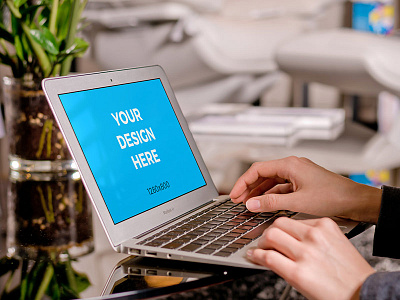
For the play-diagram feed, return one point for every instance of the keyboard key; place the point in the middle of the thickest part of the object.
(167, 237)
(245, 227)
(232, 234)
(243, 241)
(240, 231)
(221, 242)
(213, 246)
(236, 246)
(223, 254)
(177, 231)
(220, 230)
(203, 219)
(208, 237)
(206, 251)
(172, 245)
(256, 232)
(203, 229)
(227, 238)
(241, 218)
(191, 247)
(201, 241)
(251, 223)
(230, 249)
(189, 236)
(216, 222)
(182, 240)
(162, 240)
(214, 234)
(227, 227)
(196, 232)
(221, 219)
(155, 243)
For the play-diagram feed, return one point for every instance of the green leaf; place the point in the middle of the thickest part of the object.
(82, 281)
(44, 284)
(15, 26)
(35, 277)
(33, 49)
(26, 46)
(63, 20)
(43, 17)
(68, 293)
(43, 60)
(14, 10)
(79, 46)
(45, 39)
(29, 11)
(19, 49)
(19, 3)
(24, 288)
(53, 291)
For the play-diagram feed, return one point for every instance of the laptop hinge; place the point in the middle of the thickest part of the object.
(173, 220)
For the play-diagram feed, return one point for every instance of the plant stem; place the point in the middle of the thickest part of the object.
(46, 131)
(13, 9)
(50, 203)
(24, 279)
(53, 17)
(49, 133)
(75, 16)
(44, 206)
(70, 276)
(43, 60)
(45, 282)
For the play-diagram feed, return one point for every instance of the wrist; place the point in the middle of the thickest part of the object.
(368, 204)
(357, 293)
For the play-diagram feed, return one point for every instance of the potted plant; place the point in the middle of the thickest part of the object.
(47, 207)
(49, 274)
(38, 39)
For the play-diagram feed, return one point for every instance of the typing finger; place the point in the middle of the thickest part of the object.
(276, 239)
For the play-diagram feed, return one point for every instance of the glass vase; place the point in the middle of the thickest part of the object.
(47, 205)
(48, 211)
(35, 141)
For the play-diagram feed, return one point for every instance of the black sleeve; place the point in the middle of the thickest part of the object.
(381, 285)
(386, 239)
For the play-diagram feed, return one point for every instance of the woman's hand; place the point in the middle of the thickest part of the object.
(298, 184)
(314, 257)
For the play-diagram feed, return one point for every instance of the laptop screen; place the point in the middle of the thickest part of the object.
(134, 146)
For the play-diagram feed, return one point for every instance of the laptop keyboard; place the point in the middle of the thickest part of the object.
(219, 230)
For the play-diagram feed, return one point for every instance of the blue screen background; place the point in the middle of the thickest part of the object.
(125, 188)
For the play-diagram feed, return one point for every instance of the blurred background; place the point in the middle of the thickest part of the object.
(263, 79)
(222, 56)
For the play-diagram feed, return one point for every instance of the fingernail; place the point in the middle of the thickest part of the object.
(250, 252)
(253, 204)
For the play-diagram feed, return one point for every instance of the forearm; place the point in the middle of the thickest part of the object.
(368, 204)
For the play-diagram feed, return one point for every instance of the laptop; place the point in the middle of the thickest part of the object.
(144, 277)
(144, 173)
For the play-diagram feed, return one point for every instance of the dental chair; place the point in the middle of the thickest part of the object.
(356, 63)
(213, 51)
(235, 51)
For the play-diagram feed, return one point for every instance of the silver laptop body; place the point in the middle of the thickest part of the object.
(139, 162)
